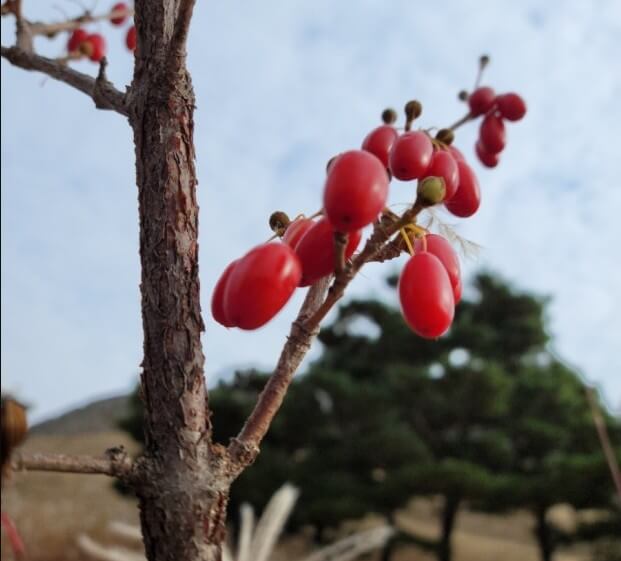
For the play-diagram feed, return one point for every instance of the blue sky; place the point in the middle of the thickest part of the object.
(281, 87)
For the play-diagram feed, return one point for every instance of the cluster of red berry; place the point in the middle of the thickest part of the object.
(496, 108)
(81, 43)
(254, 288)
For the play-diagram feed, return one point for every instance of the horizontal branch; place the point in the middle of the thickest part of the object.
(52, 29)
(102, 92)
(116, 463)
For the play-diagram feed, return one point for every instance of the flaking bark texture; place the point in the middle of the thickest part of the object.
(184, 492)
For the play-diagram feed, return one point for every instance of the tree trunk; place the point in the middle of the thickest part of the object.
(184, 492)
(543, 535)
(449, 515)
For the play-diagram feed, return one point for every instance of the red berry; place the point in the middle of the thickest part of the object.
(456, 153)
(492, 134)
(481, 101)
(76, 39)
(443, 165)
(260, 284)
(411, 155)
(426, 296)
(511, 106)
(443, 250)
(316, 251)
(295, 231)
(356, 190)
(130, 38)
(457, 291)
(94, 46)
(379, 142)
(217, 299)
(121, 7)
(487, 159)
(468, 197)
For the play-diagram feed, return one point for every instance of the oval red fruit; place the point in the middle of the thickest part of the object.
(456, 153)
(481, 101)
(379, 142)
(95, 47)
(295, 231)
(444, 165)
(120, 7)
(76, 39)
(426, 296)
(355, 191)
(467, 199)
(511, 106)
(260, 284)
(217, 298)
(492, 134)
(443, 250)
(487, 159)
(411, 155)
(130, 38)
(457, 292)
(316, 251)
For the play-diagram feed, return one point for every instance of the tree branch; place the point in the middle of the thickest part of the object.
(115, 463)
(180, 37)
(103, 93)
(245, 447)
(52, 29)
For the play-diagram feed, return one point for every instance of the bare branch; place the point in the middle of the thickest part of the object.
(52, 29)
(245, 447)
(103, 93)
(340, 244)
(182, 28)
(115, 463)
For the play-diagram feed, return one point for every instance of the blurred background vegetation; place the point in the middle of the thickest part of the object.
(487, 418)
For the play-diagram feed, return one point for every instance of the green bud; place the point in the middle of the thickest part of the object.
(431, 191)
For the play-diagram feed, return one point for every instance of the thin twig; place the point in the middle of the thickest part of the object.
(245, 447)
(467, 117)
(103, 93)
(602, 433)
(116, 463)
(52, 29)
(182, 28)
(340, 243)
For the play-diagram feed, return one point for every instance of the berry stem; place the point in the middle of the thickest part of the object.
(340, 243)
(483, 62)
(466, 118)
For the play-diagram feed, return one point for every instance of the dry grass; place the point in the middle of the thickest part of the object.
(52, 509)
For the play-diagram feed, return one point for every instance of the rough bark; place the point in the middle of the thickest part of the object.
(185, 486)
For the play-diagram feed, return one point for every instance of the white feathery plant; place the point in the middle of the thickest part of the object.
(255, 542)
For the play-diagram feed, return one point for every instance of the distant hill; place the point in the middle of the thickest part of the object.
(99, 416)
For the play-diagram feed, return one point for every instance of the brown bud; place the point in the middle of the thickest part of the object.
(279, 222)
(446, 136)
(463, 95)
(413, 109)
(483, 61)
(431, 191)
(389, 116)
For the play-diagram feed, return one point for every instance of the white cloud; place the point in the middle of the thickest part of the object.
(280, 88)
